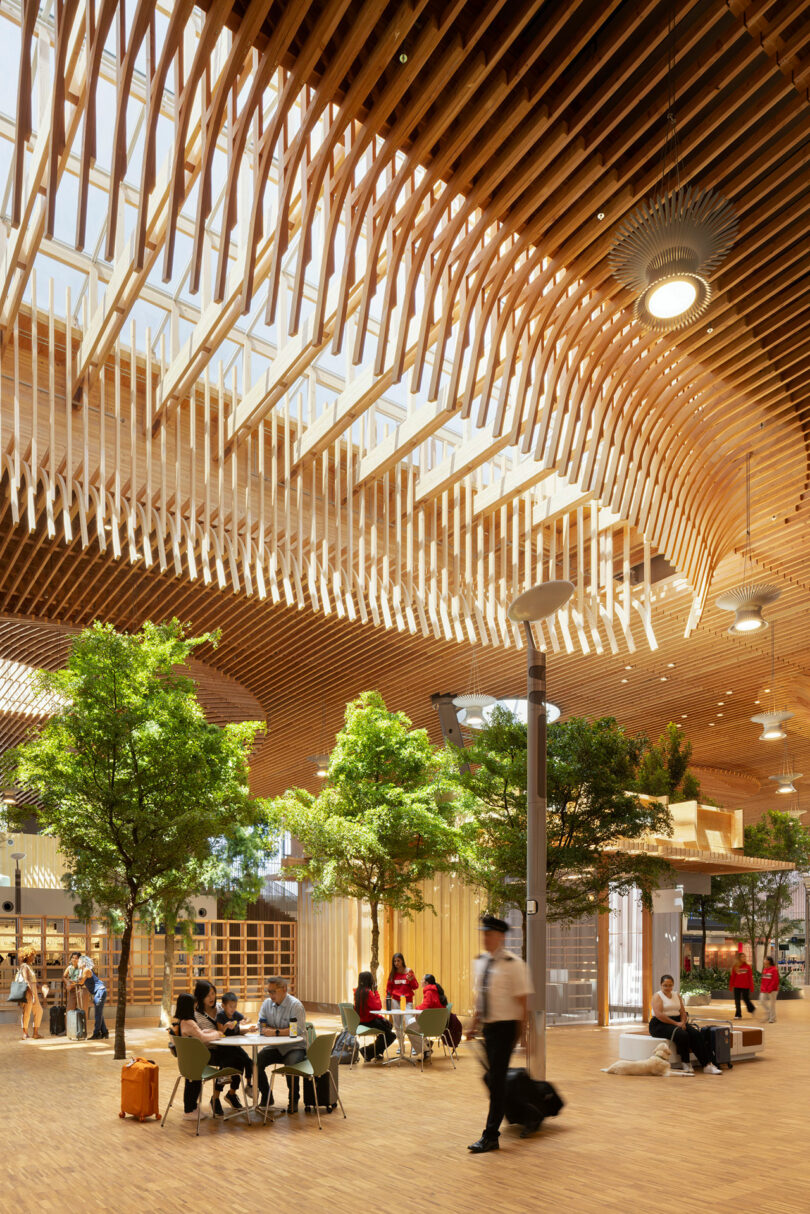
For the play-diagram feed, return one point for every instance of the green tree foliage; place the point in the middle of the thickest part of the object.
(381, 824)
(135, 783)
(663, 769)
(754, 903)
(704, 907)
(590, 766)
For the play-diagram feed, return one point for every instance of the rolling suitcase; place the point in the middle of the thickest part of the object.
(76, 1025)
(320, 1091)
(717, 1036)
(57, 1023)
(139, 1089)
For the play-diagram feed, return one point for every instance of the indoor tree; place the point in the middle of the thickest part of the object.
(130, 776)
(754, 902)
(590, 766)
(382, 822)
(705, 907)
(663, 769)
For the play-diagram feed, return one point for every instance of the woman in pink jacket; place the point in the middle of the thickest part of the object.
(769, 989)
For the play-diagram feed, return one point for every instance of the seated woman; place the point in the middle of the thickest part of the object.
(205, 1011)
(184, 1024)
(367, 1004)
(669, 1020)
(433, 996)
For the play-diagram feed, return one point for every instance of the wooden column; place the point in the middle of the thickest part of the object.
(603, 968)
(646, 963)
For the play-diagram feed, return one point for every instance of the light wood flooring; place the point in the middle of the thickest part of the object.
(736, 1142)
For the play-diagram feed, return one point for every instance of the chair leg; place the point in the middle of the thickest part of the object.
(317, 1108)
(355, 1051)
(337, 1093)
(199, 1109)
(171, 1098)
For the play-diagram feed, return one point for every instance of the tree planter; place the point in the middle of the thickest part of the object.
(725, 995)
(697, 1000)
(789, 995)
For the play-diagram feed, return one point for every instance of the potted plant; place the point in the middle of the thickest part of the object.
(695, 993)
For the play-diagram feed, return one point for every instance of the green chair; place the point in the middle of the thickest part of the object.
(359, 1031)
(430, 1026)
(193, 1064)
(315, 1064)
(310, 1033)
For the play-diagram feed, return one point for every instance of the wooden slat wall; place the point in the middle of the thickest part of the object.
(43, 866)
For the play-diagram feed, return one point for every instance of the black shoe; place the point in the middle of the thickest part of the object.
(531, 1127)
(233, 1100)
(216, 1107)
(292, 1106)
(484, 1144)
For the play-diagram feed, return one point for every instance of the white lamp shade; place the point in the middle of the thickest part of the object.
(772, 723)
(540, 602)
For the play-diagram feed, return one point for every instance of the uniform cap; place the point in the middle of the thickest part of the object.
(490, 923)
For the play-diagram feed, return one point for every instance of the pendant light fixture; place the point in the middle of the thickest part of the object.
(772, 721)
(474, 701)
(665, 250)
(321, 760)
(784, 781)
(747, 600)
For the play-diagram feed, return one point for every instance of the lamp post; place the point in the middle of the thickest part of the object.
(536, 604)
(16, 857)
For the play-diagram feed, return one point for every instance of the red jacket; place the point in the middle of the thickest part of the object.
(373, 1007)
(430, 997)
(770, 979)
(402, 984)
(742, 978)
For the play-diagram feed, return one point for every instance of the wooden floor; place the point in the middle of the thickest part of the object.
(728, 1143)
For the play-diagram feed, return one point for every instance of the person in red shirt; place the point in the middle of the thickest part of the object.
(433, 996)
(401, 981)
(769, 989)
(367, 1004)
(741, 982)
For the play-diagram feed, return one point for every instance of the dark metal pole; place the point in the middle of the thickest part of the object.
(536, 853)
(17, 890)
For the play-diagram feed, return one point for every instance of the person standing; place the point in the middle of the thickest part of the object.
(76, 996)
(31, 1008)
(89, 979)
(742, 984)
(769, 989)
(502, 986)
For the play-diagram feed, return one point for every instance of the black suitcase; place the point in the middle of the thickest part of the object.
(320, 1091)
(718, 1039)
(57, 1021)
(528, 1101)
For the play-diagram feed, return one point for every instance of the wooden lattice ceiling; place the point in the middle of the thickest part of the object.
(322, 316)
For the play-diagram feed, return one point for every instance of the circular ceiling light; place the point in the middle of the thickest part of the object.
(747, 602)
(665, 250)
(772, 723)
(473, 705)
(519, 708)
(785, 782)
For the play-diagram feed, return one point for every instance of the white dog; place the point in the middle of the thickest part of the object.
(656, 1064)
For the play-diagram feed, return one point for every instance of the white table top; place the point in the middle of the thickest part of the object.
(397, 1011)
(282, 1043)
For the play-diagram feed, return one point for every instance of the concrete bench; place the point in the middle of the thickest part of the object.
(638, 1044)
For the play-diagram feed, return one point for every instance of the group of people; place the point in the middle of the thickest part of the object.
(82, 984)
(217, 1024)
(400, 990)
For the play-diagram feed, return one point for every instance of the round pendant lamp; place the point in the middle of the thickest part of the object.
(747, 602)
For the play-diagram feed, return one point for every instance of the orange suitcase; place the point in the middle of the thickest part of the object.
(139, 1089)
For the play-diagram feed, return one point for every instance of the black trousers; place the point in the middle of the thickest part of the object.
(271, 1054)
(741, 994)
(499, 1041)
(377, 1049)
(686, 1040)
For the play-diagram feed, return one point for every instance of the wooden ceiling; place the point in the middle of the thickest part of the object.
(347, 369)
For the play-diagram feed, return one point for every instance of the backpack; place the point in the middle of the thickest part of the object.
(344, 1047)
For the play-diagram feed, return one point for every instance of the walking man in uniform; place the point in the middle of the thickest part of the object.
(502, 987)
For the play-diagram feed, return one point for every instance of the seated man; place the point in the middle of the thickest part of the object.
(274, 1021)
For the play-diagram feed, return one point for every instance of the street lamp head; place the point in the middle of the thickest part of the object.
(540, 602)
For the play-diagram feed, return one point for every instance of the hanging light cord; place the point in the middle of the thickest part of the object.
(670, 150)
(747, 554)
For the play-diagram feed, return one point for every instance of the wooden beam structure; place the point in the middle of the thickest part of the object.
(314, 331)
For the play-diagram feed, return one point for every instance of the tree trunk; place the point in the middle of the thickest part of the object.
(168, 977)
(123, 971)
(703, 933)
(375, 939)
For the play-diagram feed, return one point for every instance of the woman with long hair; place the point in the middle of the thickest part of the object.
(31, 1008)
(367, 1004)
(401, 981)
(205, 1013)
(433, 996)
(185, 1024)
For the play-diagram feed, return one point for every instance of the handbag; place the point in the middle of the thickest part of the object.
(19, 989)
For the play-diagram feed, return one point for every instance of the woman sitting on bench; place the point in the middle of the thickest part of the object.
(669, 1020)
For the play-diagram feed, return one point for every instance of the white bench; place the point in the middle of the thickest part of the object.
(638, 1044)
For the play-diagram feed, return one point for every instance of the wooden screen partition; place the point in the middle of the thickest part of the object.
(237, 954)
